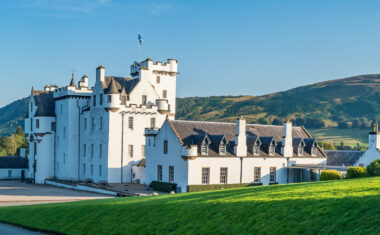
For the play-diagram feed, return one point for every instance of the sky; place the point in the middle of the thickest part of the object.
(223, 47)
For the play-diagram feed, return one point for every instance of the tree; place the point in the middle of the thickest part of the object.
(276, 121)
(263, 121)
(343, 125)
(373, 169)
(314, 123)
(326, 146)
(364, 123)
(299, 122)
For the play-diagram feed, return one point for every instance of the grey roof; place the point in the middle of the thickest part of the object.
(44, 101)
(72, 83)
(13, 163)
(112, 88)
(190, 132)
(121, 82)
(343, 158)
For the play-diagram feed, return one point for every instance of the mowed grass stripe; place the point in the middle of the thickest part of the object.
(338, 207)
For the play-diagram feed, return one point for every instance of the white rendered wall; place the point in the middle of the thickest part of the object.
(369, 156)
(156, 156)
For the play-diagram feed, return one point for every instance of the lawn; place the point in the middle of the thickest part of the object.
(335, 207)
(350, 136)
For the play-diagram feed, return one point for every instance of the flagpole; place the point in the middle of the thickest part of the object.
(138, 50)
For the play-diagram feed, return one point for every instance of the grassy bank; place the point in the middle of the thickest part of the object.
(334, 135)
(349, 207)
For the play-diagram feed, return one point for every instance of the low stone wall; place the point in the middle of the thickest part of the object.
(81, 188)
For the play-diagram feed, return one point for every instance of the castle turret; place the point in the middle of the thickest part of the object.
(113, 96)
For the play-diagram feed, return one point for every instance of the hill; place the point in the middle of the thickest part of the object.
(324, 104)
(335, 207)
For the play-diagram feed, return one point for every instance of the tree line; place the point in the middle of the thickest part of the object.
(10, 145)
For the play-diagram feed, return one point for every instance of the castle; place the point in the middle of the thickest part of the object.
(79, 132)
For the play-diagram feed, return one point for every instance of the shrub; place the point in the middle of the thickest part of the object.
(164, 186)
(344, 125)
(373, 169)
(356, 172)
(209, 187)
(330, 175)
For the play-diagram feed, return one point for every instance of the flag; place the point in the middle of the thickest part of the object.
(139, 38)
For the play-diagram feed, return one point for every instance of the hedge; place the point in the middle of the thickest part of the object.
(356, 172)
(373, 169)
(330, 175)
(209, 187)
(164, 186)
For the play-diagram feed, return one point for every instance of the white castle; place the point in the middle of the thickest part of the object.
(79, 132)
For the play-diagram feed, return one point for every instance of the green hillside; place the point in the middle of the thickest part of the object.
(335, 207)
(318, 107)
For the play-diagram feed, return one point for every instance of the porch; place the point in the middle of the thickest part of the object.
(308, 172)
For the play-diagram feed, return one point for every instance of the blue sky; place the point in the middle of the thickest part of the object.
(223, 47)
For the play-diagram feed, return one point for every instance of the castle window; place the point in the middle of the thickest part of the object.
(92, 123)
(158, 79)
(171, 174)
(300, 150)
(31, 107)
(143, 150)
(223, 175)
(101, 123)
(166, 147)
(123, 99)
(101, 99)
(164, 94)
(109, 98)
(272, 174)
(205, 175)
(84, 169)
(64, 132)
(143, 100)
(85, 124)
(64, 158)
(94, 100)
(159, 173)
(100, 150)
(61, 108)
(53, 126)
(130, 150)
(100, 170)
(271, 149)
(256, 150)
(92, 150)
(84, 150)
(92, 170)
(314, 150)
(204, 147)
(130, 122)
(257, 175)
(222, 149)
(37, 123)
(152, 122)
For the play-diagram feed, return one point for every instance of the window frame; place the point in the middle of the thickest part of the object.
(272, 174)
(171, 174)
(166, 147)
(205, 178)
(223, 178)
(159, 173)
(257, 174)
(130, 150)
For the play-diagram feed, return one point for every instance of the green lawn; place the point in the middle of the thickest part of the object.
(335, 207)
(333, 135)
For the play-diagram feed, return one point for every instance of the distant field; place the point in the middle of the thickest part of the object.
(335, 207)
(334, 135)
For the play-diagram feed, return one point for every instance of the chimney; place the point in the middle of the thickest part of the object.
(373, 138)
(100, 73)
(240, 138)
(287, 140)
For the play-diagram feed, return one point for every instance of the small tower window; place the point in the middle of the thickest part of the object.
(152, 122)
(109, 98)
(143, 100)
(130, 122)
(101, 99)
(158, 79)
(164, 94)
(166, 147)
(37, 123)
(94, 100)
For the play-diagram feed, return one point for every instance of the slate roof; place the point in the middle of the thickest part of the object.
(121, 82)
(44, 101)
(13, 163)
(343, 158)
(190, 132)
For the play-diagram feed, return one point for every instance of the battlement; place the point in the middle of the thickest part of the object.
(170, 67)
(71, 91)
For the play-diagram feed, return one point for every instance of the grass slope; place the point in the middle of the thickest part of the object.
(334, 135)
(336, 207)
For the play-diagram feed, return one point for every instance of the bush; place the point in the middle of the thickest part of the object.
(373, 169)
(209, 187)
(315, 123)
(344, 125)
(164, 186)
(330, 175)
(356, 172)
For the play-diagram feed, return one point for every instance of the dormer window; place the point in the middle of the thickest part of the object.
(314, 150)
(300, 149)
(204, 148)
(222, 148)
(256, 149)
(271, 149)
